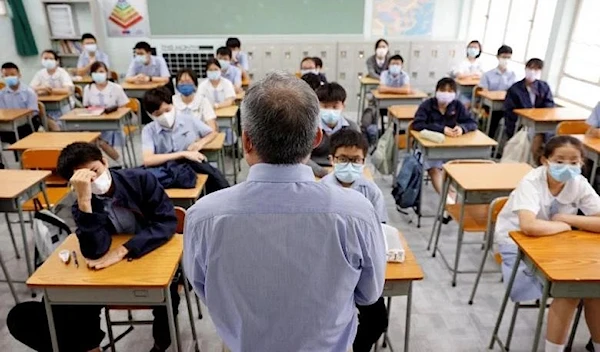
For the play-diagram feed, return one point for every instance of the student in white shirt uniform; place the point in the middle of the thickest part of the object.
(190, 102)
(53, 79)
(218, 90)
(470, 67)
(545, 203)
(105, 94)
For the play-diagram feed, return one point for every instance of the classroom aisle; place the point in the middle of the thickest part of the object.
(442, 321)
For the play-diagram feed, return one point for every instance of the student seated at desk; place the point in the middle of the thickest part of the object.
(546, 202)
(105, 94)
(443, 114)
(89, 55)
(394, 80)
(146, 67)
(176, 136)
(313, 80)
(332, 97)
(308, 65)
(470, 67)
(17, 95)
(218, 90)
(238, 57)
(378, 62)
(530, 92)
(128, 201)
(229, 71)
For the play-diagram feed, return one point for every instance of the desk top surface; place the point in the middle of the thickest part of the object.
(487, 177)
(227, 112)
(414, 94)
(113, 116)
(217, 143)
(53, 98)
(494, 95)
(141, 86)
(368, 81)
(53, 140)
(471, 139)
(15, 182)
(467, 81)
(9, 115)
(553, 114)
(188, 193)
(408, 270)
(403, 112)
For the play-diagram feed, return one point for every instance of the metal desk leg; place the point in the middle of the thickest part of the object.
(51, 325)
(540, 321)
(8, 280)
(408, 313)
(361, 103)
(420, 205)
(459, 240)
(509, 287)
(175, 343)
(132, 147)
(24, 235)
(186, 290)
(437, 224)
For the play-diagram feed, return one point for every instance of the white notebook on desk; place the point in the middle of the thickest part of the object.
(91, 111)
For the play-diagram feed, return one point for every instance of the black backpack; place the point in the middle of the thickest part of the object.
(407, 187)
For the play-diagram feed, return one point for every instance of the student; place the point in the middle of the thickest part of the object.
(313, 80)
(238, 57)
(530, 92)
(377, 63)
(146, 67)
(546, 202)
(105, 94)
(53, 79)
(394, 80)
(470, 67)
(318, 65)
(308, 65)
(229, 71)
(443, 114)
(218, 90)
(332, 97)
(108, 202)
(17, 95)
(90, 54)
(176, 136)
(499, 78)
(189, 102)
(594, 122)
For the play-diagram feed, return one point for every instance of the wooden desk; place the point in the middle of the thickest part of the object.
(140, 282)
(11, 119)
(115, 121)
(53, 140)
(477, 185)
(54, 101)
(82, 81)
(216, 147)
(592, 151)
(365, 84)
(16, 187)
(186, 197)
(543, 120)
(567, 263)
(239, 97)
(385, 100)
(245, 82)
(134, 90)
(229, 115)
(472, 145)
(495, 101)
(467, 82)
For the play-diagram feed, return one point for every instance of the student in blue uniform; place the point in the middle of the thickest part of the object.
(546, 202)
(394, 80)
(90, 54)
(146, 67)
(17, 95)
(228, 70)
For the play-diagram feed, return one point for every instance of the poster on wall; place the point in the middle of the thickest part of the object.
(126, 18)
(395, 18)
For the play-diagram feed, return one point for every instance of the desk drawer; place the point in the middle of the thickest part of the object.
(114, 296)
(395, 288)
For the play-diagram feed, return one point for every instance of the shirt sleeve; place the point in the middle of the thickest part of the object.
(164, 70)
(484, 82)
(201, 128)
(526, 197)
(66, 79)
(373, 262)
(81, 61)
(383, 78)
(237, 81)
(32, 101)
(594, 119)
(86, 96)
(131, 69)
(208, 113)
(228, 89)
(122, 98)
(147, 140)
(37, 80)
(589, 203)
(243, 61)
(379, 204)
(405, 78)
(195, 251)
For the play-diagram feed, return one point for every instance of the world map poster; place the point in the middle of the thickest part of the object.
(126, 18)
(393, 18)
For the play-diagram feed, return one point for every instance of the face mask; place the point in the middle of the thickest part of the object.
(563, 172)
(330, 116)
(213, 75)
(445, 97)
(186, 89)
(167, 119)
(348, 172)
(224, 64)
(91, 48)
(381, 52)
(141, 59)
(395, 69)
(472, 52)
(101, 184)
(532, 75)
(312, 70)
(11, 81)
(502, 62)
(99, 77)
(48, 64)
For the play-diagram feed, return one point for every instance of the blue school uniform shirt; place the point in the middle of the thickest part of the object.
(233, 74)
(242, 61)
(594, 119)
(368, 189)
(394, 81)
(156, 68)
(186, 130)
(497, 80)
(22, 98)
(84, 59)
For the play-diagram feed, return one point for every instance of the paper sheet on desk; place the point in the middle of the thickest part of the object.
(393, 247)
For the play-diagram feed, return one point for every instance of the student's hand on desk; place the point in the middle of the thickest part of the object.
(110, 258)
(449, 131)
(458, 131)
(193, 156)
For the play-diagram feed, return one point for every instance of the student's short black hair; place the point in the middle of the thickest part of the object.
(318, 62)
(224, 51)
(559, 141)
(308, 59)
(233, 43)
(504, 49)
(347, 137)
(379, 41)
(314, 81)
(54, 53)
(74, 155)
(87, 36)
(10, 65)
(478, 44)
(331, 93)
(189, 72)
(535, 63)
(212, 61)
(143, 46)
(396, 57)
(446, 81)
(154, 98)
(96, 65)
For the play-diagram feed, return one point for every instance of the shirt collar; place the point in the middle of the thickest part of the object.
(22, 88)
(280, 173)
(341, 123)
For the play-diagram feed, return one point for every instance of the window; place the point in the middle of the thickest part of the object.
(522, 24)
(580, 78)
(3, 8)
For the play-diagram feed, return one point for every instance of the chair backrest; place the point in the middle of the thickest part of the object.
(114, 76)
(180, 214)
(571, 127)
(495, 209)
(79, 92)
(40, 159)
(2, 85)
(134, 105)
(475, 100)
(42, 109)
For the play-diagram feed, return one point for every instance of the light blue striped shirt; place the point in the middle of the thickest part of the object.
(186, 130)
(594, 119)
(157, 67)
(394, 81)
(497, 80)
(84, 59)
(241, 60)
(22, 98)
(281, 260)
(234, 75)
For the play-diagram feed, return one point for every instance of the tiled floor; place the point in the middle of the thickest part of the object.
(442, 321)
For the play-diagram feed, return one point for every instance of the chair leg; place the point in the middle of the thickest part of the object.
(199, 307)
(9, 280)
(188, 302)
(12, 236)
(574, 328)
(511, 328)
(111, 337)
(481, 266)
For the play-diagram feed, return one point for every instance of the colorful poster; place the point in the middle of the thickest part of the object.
(126, 18)
(394, 18)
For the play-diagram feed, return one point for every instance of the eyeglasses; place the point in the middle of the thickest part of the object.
(345, 159)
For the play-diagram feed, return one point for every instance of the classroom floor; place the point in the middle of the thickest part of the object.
(442, 321)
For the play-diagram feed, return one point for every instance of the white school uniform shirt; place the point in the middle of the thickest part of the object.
(112, 95)
(200, 107)
(215, 95)
(60, 78)
(533, 194)
(469, 67)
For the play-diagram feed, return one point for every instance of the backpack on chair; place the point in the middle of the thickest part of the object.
(49, 231)
(407, 186)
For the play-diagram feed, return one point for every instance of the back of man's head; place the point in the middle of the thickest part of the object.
(280, 118)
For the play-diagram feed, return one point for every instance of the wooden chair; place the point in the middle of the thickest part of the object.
(135, 106)
(572, 127)
(79, 93)
(43, 116)
(114, 76)
(45, 159)
(2, 85)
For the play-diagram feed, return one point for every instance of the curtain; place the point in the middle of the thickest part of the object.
(24, 39)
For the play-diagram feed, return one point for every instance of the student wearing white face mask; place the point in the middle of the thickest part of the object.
(90, 54)
(218, 90)
(394, 80)
(146, 67)
(378, 62)
(470, 67)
